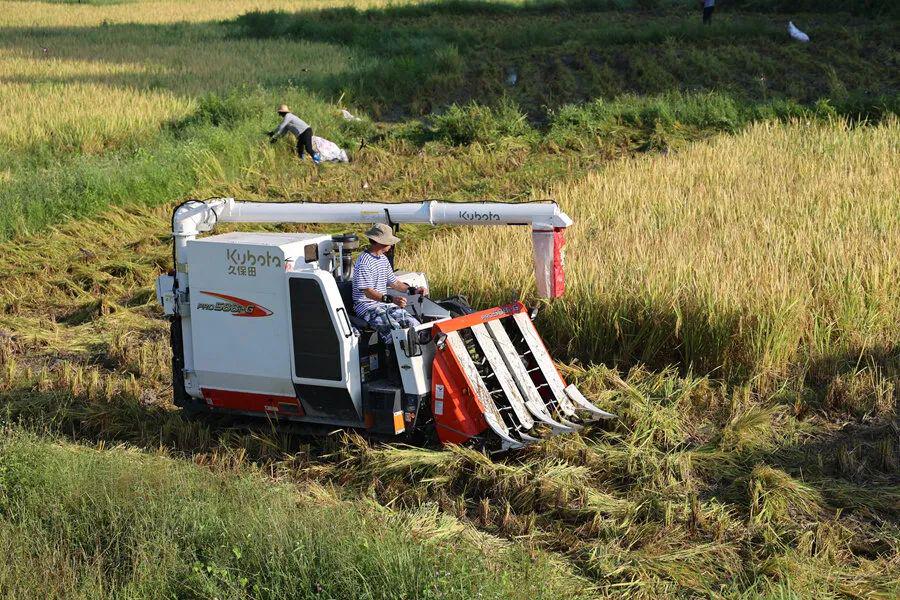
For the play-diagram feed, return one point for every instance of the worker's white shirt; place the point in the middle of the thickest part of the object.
(373, 272)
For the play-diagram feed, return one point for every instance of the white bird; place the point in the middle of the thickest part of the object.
(796, 33)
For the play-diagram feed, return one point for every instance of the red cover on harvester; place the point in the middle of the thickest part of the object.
(458, 414)
(549, 262)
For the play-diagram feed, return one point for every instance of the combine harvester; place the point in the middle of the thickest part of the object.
(263, 325)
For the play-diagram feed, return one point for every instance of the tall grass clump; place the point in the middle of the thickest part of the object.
(222, 110)
(477, 123)
(642, 123)
(645, 123)
(742, 256)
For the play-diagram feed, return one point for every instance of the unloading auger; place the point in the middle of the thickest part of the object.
(262, 324)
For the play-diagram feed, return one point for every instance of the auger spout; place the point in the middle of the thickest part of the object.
(546, 219)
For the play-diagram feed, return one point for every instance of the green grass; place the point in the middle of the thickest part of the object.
(583, 78)
(435, 54)
(81, 523)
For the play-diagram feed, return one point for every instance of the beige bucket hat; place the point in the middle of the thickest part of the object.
(284, 109)
(381, 233)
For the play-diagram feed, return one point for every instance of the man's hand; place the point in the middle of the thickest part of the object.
(399, 301)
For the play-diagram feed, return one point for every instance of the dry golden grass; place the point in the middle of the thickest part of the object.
(32, 114)
(29, 14)
(90, 78)
(750, 253)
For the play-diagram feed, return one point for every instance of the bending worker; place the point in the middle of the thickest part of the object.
(372, 276)
(300, 128)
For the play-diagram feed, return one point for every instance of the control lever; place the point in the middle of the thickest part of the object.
(411, 346)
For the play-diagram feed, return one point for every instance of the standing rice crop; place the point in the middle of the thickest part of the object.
(744, 255)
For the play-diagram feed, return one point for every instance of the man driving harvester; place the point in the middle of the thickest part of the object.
(372, 275)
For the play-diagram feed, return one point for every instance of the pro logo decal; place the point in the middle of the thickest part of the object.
(509, 309)
(238, 307)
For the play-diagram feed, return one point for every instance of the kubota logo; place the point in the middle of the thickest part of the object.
(249, 259)
(472, 215)
(238, 307)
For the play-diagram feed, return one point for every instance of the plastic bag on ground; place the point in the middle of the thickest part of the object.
(796, 33)
(329, 151)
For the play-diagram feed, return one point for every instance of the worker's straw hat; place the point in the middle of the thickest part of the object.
(382, 234)
(284, 108)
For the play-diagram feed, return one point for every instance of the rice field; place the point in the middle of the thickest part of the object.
(732, 296)
(89, 90)
(804, 220)
(99, 96)
(702, 486)
(72, 13)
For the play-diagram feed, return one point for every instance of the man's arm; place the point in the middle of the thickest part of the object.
(279, 131)
(396, 284)
(404, 287)
(373, 294)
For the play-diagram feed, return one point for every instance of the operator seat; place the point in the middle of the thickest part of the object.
(346, 290)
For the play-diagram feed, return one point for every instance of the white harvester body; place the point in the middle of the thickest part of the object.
(263, 324)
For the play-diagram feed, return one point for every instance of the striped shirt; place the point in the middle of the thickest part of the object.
(373, 272)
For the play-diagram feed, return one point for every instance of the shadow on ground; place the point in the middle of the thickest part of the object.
(398, 61)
